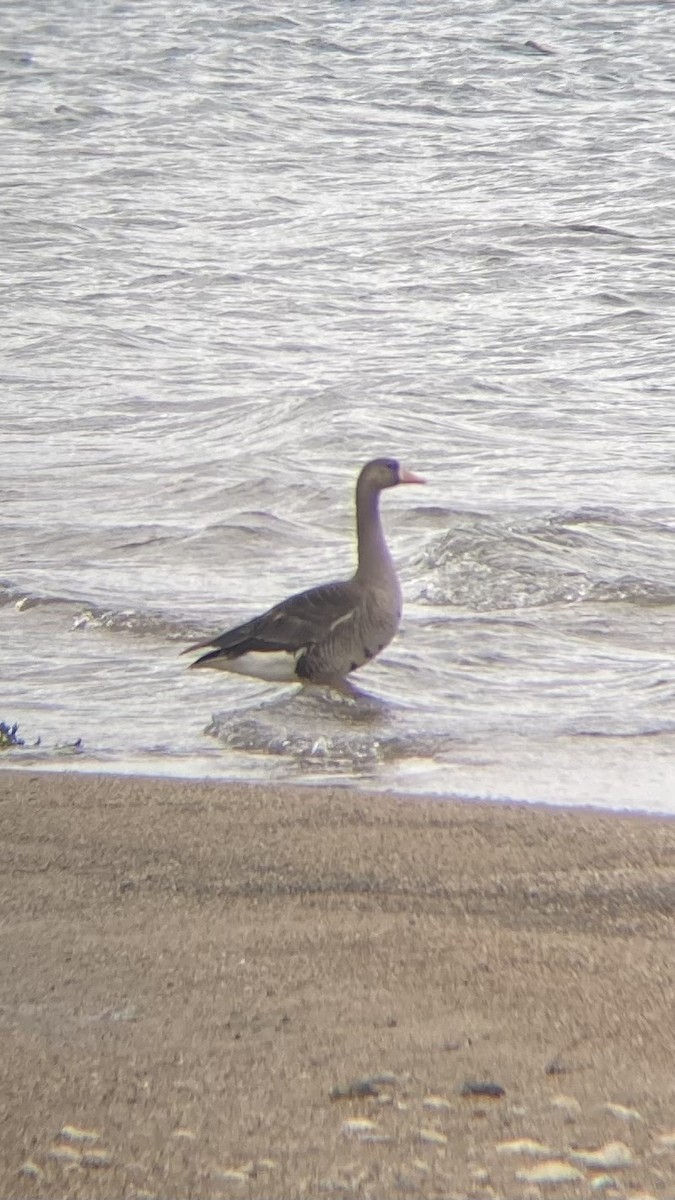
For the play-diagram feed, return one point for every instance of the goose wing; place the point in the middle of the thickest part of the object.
(300, 621)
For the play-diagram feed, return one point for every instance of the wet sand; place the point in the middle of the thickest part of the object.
(190, 970)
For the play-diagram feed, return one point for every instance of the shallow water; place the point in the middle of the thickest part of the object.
(244, 253)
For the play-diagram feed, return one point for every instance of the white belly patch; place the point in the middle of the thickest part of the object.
(276, 666)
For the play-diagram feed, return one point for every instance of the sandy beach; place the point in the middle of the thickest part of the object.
(223, 990)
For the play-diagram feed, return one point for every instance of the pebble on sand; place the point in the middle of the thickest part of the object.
(624, 1114)
(436, 1103)
(567, 1104)
(72, 1133)
(524, 1146)
(607, 1157)
(368, 1086)
(66, 1154)
(483, 1089)
(553, 1171)
(31, 1169)
(432, 1137)
(231, 1176)
(358, 1127)
(96, 1158)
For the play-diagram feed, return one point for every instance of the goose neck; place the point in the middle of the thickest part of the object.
(373, 553)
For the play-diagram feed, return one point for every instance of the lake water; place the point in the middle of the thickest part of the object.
(245, 252)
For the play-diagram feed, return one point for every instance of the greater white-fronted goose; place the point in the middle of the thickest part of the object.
(320, 636)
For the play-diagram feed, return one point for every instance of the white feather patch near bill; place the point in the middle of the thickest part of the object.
(276, 666)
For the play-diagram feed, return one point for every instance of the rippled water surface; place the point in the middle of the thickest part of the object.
(243, 252)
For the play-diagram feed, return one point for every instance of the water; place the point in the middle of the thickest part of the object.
(244, 252)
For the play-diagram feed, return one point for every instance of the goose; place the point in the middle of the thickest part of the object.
(323, 634)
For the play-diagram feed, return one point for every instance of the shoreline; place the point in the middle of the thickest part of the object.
(191, 968)
(360, 787)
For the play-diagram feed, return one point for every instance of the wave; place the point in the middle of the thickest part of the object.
(487, 562)
(480, 562)
(81, 614)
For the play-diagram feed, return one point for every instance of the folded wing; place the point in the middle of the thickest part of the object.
(303, 620)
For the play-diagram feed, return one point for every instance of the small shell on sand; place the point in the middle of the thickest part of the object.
(65, 1154)
(72, 1133)
(96, 1158)
(666, 1141)
(230, 1176)
(553, 1171)
(184, 1133)
(244, 1172)
(433, 1137)
(608, 1157)
(624, 1114)
(31, 1169)
(240, 1174)
(436, 1103)
(358, 1126)
(524, 1146)
(602, 1183)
